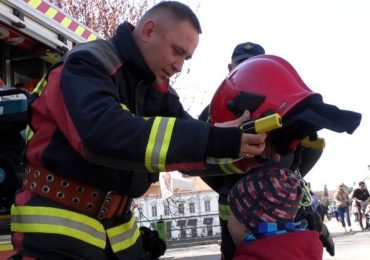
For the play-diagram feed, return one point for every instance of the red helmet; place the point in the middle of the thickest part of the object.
(266, 84)
(263, 84)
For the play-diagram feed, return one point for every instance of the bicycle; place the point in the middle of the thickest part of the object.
(364, 216)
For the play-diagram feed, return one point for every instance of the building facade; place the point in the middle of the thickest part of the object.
(187, 214)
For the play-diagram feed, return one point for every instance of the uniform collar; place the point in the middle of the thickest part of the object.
(129, 51)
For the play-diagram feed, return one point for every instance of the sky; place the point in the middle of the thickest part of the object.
(327, 42)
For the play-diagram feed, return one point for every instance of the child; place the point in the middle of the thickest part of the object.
(263, 205)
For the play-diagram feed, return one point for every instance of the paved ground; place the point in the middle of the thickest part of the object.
(349, 245)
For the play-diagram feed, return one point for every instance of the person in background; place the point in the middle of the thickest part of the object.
(103, 123)
(362, 197)
(342, 201)
(263, 206)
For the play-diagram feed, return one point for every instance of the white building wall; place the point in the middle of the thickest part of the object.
(144, 205)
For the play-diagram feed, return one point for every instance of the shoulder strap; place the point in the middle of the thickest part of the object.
(103, 50)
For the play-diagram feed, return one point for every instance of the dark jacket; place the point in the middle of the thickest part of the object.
(95, 120)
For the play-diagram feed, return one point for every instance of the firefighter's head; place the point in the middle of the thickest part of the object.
(167, 35)
(244, 51)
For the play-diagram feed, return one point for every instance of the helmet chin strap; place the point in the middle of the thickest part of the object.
(307, 199)
(212, 160)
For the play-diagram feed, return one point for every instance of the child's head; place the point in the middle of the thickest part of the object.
(272, 195)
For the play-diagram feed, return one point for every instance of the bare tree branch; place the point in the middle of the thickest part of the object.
(104, 16)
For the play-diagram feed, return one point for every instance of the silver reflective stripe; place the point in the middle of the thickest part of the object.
(159, 141)
(123, 236)
(28, 219)
(60, 221)
(128, 238)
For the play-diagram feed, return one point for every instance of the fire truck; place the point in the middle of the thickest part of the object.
(34, 34)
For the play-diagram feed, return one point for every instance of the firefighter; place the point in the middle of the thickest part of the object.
(103, 123)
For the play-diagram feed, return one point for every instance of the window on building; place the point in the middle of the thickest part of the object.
(209, 231)
(166, 209)
(154, 210)
(207, 205)
(183, 232)
(193, 232)
(169, 229)
(191, 207)
(208, 222)
(180, 208)
(182, 226)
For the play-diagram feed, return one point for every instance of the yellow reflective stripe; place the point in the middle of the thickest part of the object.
(6, 247)
(123, 236)
(5, 244)
(79, 30)
(58, 221)
(60, 230)
(224, 212)
(66, 22)
(40, 86)
(225, 169)
(29, 133)
(150, 146)
(159, 141)
(92, 37)
(124, 107)
(234, 168)
(230, 168)
(34, 3)
(51, 12)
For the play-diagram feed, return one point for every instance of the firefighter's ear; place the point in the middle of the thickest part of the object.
(147, 30)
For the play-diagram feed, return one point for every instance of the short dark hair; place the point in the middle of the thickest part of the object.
(361, 183)
(180, 10)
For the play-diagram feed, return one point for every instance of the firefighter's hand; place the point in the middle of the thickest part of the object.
(270, 153)
(251, 144)
(152, 243)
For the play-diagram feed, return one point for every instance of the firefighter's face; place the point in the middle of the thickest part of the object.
(166, 47)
